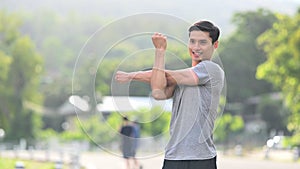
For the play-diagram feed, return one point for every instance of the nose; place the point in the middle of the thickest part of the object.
(196, 46)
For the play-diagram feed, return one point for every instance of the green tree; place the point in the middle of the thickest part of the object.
(241, 56)
(273, 113)
(153, 122)
(21, 79)
(5, 62)
(226, 126)
(282, 67)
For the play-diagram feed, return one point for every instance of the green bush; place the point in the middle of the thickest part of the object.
(6, 163)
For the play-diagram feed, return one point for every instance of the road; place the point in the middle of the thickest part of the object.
(108, 161)
(103, 160)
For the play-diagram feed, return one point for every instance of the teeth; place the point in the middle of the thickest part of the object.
(199, 52)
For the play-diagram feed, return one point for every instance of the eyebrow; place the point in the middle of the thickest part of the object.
(201, 40)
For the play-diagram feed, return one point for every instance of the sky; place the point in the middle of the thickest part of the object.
(220, 11)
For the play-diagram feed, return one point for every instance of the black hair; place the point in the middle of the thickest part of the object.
(206, 26)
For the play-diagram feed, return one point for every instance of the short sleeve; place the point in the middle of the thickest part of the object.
(202, 73)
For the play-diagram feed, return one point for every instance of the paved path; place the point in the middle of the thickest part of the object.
(108, 161)
(246, 163)
(102, 160)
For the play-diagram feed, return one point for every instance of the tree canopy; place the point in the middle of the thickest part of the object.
(241, 56)
(21, 67)
(282, 67)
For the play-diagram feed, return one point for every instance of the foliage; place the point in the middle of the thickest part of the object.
(273, 113)
(46, 134)
(5, 62)
(282, 67)
(53, 121)
(6, 163)
(159, 126)
(292, 141)
(153, 122)
(22, 66)
(104, 130)
(97, 130)
(226, 126)
(240, 55)
(57, 91)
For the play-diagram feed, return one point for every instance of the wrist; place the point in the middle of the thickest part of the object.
(132, 75)
(160, 53)
(160, 49)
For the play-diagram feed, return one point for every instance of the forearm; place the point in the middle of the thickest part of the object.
(142, 76)
(158, 78)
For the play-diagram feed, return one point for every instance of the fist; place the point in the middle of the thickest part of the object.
(123, 77)
(159, 41)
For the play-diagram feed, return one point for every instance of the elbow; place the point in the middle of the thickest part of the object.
(158, 94)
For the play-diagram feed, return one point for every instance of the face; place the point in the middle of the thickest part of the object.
(200, 46)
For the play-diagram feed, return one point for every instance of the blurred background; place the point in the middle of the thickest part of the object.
(40, 42)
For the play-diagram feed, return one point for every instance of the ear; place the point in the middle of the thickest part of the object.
(216, 44)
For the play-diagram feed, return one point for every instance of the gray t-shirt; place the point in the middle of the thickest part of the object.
(193, 115)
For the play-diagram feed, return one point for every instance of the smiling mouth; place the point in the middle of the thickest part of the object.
(197, 52)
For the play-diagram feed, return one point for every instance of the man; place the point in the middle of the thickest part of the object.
(128, 145)
(195, 91)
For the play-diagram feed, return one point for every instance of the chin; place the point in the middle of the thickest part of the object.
(197, 58)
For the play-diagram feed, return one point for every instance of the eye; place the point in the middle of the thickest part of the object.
(192, 41)
(203, 42)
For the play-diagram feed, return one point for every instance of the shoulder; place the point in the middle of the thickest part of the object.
(207, 66)
(209, 69)
(211, 66)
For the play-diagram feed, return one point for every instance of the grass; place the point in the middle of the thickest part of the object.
(7, 163)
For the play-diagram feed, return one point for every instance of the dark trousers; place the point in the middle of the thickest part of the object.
(190, 164)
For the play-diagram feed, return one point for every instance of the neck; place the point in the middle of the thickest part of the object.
(194, 63)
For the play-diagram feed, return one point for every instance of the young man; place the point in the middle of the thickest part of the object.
(195, 91)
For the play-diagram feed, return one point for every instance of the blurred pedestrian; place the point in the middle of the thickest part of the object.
(136, 133)
(128, 143)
